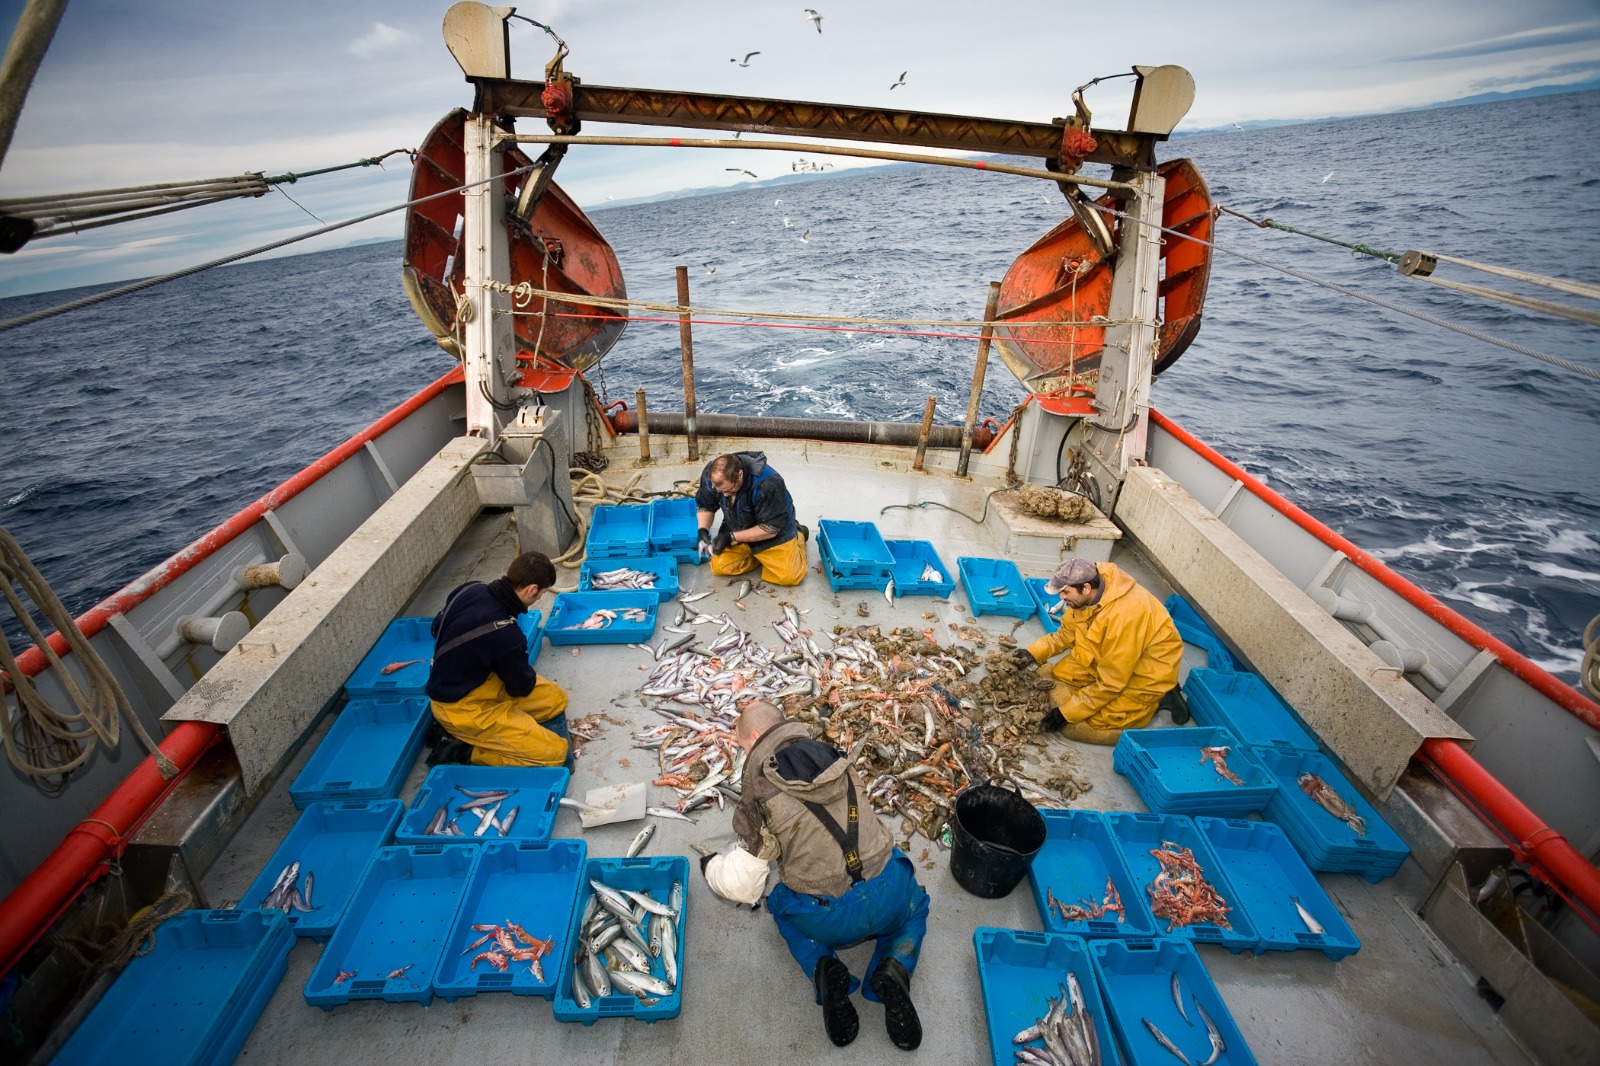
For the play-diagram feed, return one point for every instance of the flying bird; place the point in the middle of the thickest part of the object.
(787, 224)
(805, 238)
(899, 83)
(778, 202)
(811, 13)
(1238, 127)
(739, 170)
(746, 61)
(709, 268)
(1326, 176)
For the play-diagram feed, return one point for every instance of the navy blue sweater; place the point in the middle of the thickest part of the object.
(762, 500)
(502, 651)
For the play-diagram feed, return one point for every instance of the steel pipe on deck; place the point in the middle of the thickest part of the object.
(900, 434)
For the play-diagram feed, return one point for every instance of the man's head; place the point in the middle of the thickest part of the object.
(530, 574)
(757, 718)
(726, 474)
(1077, 582)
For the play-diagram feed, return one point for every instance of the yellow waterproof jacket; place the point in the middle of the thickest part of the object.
(1122, 655)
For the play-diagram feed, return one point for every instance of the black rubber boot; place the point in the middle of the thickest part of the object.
(892, 984)
(805, 533)
(838, 1013)
(1052, 722)
(1173, 701)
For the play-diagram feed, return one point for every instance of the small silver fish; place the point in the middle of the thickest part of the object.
(669, 950)
(1000, 590)
(650, 905)
(635, 983)
(1161, 1038)
(1177, 999)
(696, 596)
(440, 818)
(504, 824)
(667, 812)
(641, 841)
(1305, 916)
(888, 592)
(744, 590)
(580, 989)
(1218, 1045)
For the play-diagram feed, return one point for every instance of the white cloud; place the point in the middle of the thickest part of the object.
(381, 38)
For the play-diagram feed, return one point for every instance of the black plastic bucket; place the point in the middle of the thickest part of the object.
(995, 834)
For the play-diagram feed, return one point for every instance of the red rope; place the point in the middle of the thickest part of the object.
(839, 329)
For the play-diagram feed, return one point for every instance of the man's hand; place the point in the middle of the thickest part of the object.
(1024, 657)
(704, 544)
(722, 541)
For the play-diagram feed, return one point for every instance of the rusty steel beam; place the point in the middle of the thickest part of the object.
(753, 114)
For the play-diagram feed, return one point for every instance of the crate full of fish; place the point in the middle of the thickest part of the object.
(618, 530)
(1081, 883)
(674, 525)
(653, 573)
(1196, 634)
(1189, 893)
(626, 941)
(995, 586)
(1165, 1006)
(1047, 606)
(1193, 770)
(311, 876)
(510, 931)
(1247, 707)
(1333, 827)
(193, 998)
(398, 663)
(366, 753)
(396, 927)
(1287, 905)
(1040, 992)
(622, 617)
(918, 570)
(484, 804)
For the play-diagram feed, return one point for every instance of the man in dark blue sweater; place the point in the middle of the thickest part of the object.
(758, 522)
(482, 688)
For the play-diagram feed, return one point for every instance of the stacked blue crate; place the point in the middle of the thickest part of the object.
(1161, 985)
(367, 752)
(1275, 886)
(1247, 707)
(995, 586)
(1081, 867)
(663, 566)
(1138, 835)
(912, 560)
(675, 529)
(1372, 850)
(1173, 777)
(1020, 972)
(619, 531)
(443, 802)
(1194, 631)
(854, 555)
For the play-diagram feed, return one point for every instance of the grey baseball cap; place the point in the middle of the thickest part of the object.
(1072, 572)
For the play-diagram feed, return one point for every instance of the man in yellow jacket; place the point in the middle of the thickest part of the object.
(1122, 653)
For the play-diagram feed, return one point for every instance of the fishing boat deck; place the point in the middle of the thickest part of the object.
(1401, 998)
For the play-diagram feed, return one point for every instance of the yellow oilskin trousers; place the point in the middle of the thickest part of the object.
(503, 729)
(782, 565)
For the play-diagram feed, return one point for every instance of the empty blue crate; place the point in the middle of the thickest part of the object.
(530, 886)
(1081, 868)
(1275, 883)
(332, 842)
(1247, 707)
(366, 753)
(397, 924)
(995, 586)
(854, 555)
(1326, 841)
(663, 567)
(674, 524)
(619, 530)
(398, 663)
(1047, 606)
(912, 562)
(1136, 835)
(1195, 633)
(1020, 972)
(655, 878)
(193, 998)
(573, 609)
(1136, 984)
(1173, 777)
(445, 798)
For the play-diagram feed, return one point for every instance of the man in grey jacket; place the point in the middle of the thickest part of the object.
(842, 879)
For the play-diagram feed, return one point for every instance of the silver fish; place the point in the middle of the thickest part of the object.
(1305, 916)
(437, 823)
(1030, 1033)
(667, 812)
(486, 819)
(1161, 1038)
(580, 989)
(504, 824)
(650, 905)
(641, 841)
(632, 955)
(669, 950)
(605, 936)
(1218, 1045)
(599, 979)
(285, 883)
(675, 897)
(1177, 999)
(306, 898)
(696, 596)
(657, 926)
(888, 592)
(672, 645)
(636, 983)
(744, 590)
(608, 895)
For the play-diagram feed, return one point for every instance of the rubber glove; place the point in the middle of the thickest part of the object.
(722, 541)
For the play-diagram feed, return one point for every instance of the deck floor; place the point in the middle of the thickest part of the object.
(1401, 998)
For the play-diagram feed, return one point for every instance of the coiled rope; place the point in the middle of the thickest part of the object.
(42, 742)
(1590, 673)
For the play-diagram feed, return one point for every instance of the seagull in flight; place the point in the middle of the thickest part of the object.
(1326, 176)
(787, 224)
(709, 268)
(899, 83)
(805, 238)
(746, 61)
(739, 170)
(1238, 127)
(778, 202)
(811, 13)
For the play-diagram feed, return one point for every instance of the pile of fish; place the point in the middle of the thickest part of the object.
(1180, 893)
(1086, 909)
(484, 805)
(1330, 801)
(627, 945)
(1218, 1045)
(286, 895)
(623, 578)
(1069, 1038)
(512, 943)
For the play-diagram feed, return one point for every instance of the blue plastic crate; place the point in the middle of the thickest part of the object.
(1247, 707)
(674, 524)
(366, 753)
(1194, 631)
(1328, 843)
(665, 567)
(979, 576)
(654, 877)
(877, 580)
(1166, 768)
(853, 547)
(408, 640)
(193, 998)
(1047, 606)
(1137, 834)
(1136, 983)
(1020, 971)
(619, 530)
(1077, 857)
(911, 558)
(332, 842)
(398, 921)
(536, 793)
(572, 608)
(531, 884)
(1271, 875)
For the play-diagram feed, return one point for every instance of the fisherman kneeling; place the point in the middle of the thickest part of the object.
(482, 688)
(843, 880)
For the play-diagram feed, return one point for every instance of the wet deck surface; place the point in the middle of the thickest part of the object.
(1401, 998)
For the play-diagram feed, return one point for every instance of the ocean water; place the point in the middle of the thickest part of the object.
(135, 426)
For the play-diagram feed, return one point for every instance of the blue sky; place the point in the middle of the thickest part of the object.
(168, 90)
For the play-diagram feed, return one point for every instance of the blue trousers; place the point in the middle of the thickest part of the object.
(891, 908)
